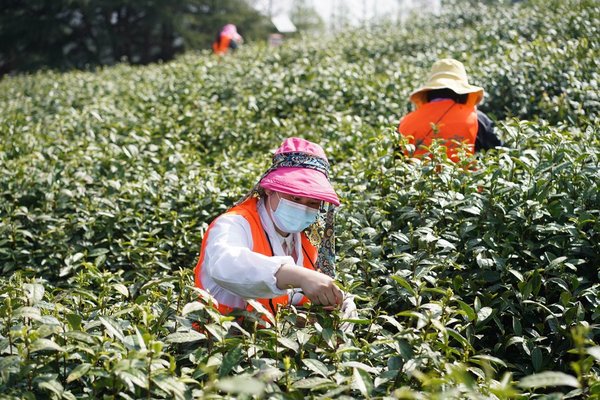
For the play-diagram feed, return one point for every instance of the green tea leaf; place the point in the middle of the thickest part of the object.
(471, 210)
(359, 365)
(404, 283)
(316, 366)
(191, 307)
(185, 337)
(74, 320)
(82, 337)
(171, 385)
(52, 385)
(231, 358)
(78, 372)
(491, 359)
(45, 344)
(290, 344)
(594, 352)
(471, 315)
(537, 358)
(548, 379)
(360, 383)
(34, 292)
(121, 289)
(28, 312)
(112, 328)
(313, 383)
(241, 385)
(484, 314)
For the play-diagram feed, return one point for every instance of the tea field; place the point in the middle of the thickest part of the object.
(479, 280)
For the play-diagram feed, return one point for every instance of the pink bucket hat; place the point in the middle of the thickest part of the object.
(300, 168)
(231, 31)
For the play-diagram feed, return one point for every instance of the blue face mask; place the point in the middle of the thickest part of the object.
(293, 217)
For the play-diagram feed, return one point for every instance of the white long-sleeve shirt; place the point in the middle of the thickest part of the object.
(232, 272)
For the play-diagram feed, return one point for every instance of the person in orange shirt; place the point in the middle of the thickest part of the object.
(259, 249)
(228, 39)
(446, 109)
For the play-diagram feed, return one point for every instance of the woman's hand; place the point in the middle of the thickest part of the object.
(319, 288)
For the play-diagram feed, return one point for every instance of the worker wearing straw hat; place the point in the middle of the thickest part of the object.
(260, 249)
(446, 109)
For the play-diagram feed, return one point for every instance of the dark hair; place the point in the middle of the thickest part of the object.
(446, 94)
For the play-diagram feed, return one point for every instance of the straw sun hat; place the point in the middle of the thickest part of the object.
(447, 73)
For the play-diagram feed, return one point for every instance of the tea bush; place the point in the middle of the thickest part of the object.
(475, 280)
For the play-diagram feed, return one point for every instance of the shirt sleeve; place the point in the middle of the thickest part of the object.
(231, 263)
(486, 138)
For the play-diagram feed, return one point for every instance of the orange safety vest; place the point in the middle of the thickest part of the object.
(221, 46)
(444, 120)
(261, 245)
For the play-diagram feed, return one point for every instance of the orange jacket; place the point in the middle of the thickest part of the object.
(443, 119)
(261, 245)
(221, 46)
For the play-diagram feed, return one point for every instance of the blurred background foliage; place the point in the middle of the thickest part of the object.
(66, 34)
